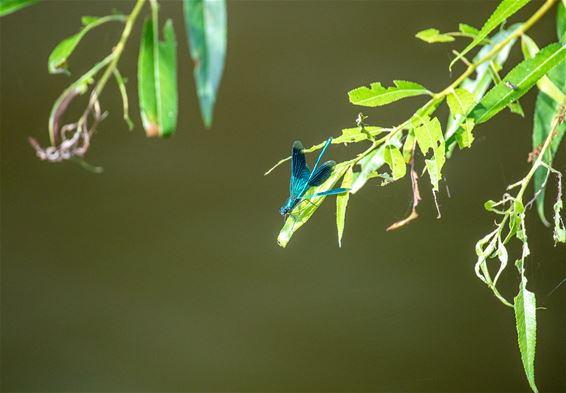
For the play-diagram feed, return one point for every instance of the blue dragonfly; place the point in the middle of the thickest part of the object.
(302, 178)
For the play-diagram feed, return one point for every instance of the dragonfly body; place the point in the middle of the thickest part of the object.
(302, 178)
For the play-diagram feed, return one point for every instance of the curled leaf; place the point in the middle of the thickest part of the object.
(433, 35)
(57, 62)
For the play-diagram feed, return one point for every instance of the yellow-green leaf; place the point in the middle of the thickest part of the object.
(433, 35)
(394, 159)
(342, 204)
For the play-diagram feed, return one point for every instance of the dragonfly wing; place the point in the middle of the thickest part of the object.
(325, 193)
(322, 173)
(299, 171)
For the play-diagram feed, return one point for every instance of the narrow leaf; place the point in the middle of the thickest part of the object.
(504, 10)
(518, 81)
(467, 29)
(377, 95)
(435, 164)
(561, 22)
(433, 35)
(545, 111)
(206, 26)
(409, 146)
(9, 6)
(157, 80)
(394, 159)
(530, 49)
(342, 203)
(483, 79)
(525, 317)
(57, 62)
(357, 134)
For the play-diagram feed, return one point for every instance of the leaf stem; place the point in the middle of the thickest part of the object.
(117, 52)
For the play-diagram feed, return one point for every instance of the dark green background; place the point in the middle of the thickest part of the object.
(163, 273)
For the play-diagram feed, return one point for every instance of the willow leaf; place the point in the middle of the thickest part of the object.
(357, 134)
(525, 318)
(561, 22)
(518, 81)
(377, 95)
(57, 62)
(433, 35)
(394, 159)
(460, 101)
(9, 6)
(342, 204)
(464, 136)
(545, 110)
(304, 211)
(467, 29)
(206, 26)
(157, 80)
(428, 135)
(371, 163)
(504, 10)
(544, 84)
(483, 79)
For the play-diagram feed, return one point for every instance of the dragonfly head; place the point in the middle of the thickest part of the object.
(286, 209)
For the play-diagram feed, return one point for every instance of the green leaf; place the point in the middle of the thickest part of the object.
(409, 146)
(561, 22)
(206, 26)
(9, 6)
(559, 234)
(394, 159)
(460, 101)
(433, 35)
(504, 10)
(371, 163)
(515, 107)
(464, 135)
(479, 85)
(428, 134)
(303, 212)
(518, 81)
(357, 134)
(467, 29)
(435, 164)
(342, 203)
(525, 317)
(530, 49)
(545, 111)
(377, 95)
(157, 80)
(57, 62)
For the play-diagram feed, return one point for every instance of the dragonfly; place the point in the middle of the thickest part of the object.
(302, 178)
